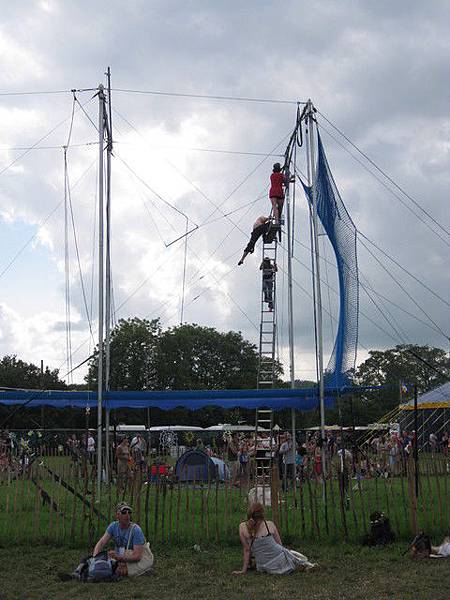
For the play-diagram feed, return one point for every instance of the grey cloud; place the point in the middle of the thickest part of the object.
(377, 69)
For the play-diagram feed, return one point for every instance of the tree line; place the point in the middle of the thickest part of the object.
(143, 356)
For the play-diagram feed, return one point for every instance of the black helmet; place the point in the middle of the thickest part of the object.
(277, 167)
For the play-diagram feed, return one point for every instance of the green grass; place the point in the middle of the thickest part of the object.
(345, 572)
(181, 515)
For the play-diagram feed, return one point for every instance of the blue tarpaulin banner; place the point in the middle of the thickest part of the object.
(276, 399)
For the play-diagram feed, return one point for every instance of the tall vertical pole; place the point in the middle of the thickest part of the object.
(42, 407)
(317, 268)
(290, 298)
(108, 274)
(416, 444)
(101, 113)
(184, 272)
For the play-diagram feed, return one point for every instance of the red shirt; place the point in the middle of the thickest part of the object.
(276, 185)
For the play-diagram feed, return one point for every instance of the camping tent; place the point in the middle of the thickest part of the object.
(197, 466)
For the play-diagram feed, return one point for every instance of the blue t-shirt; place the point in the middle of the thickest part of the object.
(121, 536)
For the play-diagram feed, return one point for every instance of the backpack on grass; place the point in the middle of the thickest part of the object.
(96, 569)
(421, 546)
(380, 531)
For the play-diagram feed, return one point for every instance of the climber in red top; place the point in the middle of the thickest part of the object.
(276, 192)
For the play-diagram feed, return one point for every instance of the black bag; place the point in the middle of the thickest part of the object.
(380, 531)
(420, 546)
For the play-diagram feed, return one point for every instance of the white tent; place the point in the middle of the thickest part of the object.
(176, 428)
(230, 427)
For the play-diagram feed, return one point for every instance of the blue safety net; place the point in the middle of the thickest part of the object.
(342, 234)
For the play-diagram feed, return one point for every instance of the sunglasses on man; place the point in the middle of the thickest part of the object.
(125, 511)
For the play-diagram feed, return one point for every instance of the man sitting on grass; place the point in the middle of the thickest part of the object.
(127, 549)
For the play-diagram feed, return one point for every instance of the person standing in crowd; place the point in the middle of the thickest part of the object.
(91, 448)
(433, 442)
(73, 446)
(269, 269)
(445, 443)
(233, 457)
(260, 227)
(301, 461)
(138, 449)
(394, 455)
(331, 444)
(318, 462)
(382, 452)
(276, 192)
(287, 451)
(123, 469)
(244, 458)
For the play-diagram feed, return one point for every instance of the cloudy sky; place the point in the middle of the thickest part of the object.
(376, 70)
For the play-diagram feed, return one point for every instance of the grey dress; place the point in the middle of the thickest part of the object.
(275, 559)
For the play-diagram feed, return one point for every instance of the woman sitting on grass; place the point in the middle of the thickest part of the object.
(261, 538)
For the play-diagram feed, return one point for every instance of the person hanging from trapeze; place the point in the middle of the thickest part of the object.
(260, 227)
(268, 268)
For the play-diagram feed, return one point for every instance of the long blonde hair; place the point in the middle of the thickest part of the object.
(255, 514)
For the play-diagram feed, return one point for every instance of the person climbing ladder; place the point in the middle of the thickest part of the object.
(276, 192)
(269, 269)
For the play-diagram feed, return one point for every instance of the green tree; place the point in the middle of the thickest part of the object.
(192, 357)
(133, 349)
(16, 373)
(425, 366)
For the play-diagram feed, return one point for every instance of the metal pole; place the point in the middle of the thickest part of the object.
(42, 407)
(108, 275)
(290, 300)
(184, 271)
(416, 445)
(101, 98)
(317, 269)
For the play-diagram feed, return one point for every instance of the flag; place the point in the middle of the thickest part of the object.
(404, 389)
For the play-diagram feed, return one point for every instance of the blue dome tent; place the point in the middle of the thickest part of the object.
(197, 466)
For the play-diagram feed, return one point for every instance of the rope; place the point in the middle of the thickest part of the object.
(67, 265)
(208, 97)
(416, 279)
(388, 177)
(408, 294)
(47, 92)
(28, 150)
(58, 147)
(41, 224)
(194, 149)
(383, 183)
(83, 290)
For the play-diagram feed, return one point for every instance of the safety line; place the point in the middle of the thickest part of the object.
(209, 97)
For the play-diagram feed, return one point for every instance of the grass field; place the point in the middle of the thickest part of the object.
(181, 514)
(345, 572)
